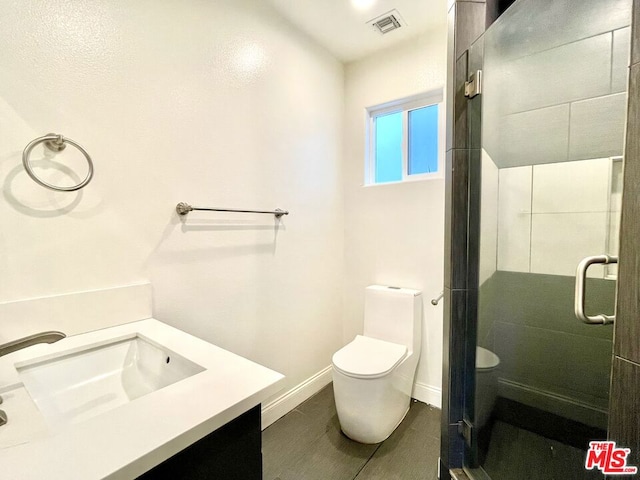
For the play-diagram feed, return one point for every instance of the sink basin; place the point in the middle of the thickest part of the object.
(77, 386)
(114, 403)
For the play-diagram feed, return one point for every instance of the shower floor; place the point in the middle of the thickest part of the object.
(517, 453)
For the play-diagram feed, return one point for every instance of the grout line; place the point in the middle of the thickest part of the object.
(611, 58)
(554, 330)
(548, 49)
(568, 155)
(570, 213)
(368, 460)
(497, 219)
(531, 220)
(569, 102)
(626, 360)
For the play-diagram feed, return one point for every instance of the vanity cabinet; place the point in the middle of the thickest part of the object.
(232, 452)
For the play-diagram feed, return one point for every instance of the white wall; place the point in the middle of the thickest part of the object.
(394, 234)
(213, 103)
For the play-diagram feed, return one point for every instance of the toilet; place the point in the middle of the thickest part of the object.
(487, 364)
(373, 375)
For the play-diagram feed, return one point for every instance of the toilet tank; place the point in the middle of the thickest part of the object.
(393, 314)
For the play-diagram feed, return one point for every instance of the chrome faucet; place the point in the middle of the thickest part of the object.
(19, 344)
(42, 337)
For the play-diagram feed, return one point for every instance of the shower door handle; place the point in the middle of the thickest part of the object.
(581, 280)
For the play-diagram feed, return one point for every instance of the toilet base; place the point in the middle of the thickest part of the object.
(369, 410)
(379, 441)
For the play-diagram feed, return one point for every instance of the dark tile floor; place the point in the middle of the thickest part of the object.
(307, 444)
(517, 453)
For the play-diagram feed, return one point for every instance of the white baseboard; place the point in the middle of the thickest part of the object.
(427, 394)
(288, 401)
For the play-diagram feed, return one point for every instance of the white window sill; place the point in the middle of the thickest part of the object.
(420, 178)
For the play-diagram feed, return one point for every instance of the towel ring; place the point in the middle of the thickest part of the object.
(55, 143)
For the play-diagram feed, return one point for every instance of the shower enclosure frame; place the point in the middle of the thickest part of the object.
(467, 21)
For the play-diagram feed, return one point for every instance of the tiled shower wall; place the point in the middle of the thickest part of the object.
(549, 217)
(552, 216)
(548, 359)
(558, 97)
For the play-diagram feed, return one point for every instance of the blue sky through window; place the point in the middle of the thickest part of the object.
(423, 140)
(388, 161)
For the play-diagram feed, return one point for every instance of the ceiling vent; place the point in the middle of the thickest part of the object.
(387, 22)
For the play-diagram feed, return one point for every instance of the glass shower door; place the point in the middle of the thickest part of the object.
(553, 107)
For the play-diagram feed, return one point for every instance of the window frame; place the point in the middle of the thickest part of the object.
(404, 105)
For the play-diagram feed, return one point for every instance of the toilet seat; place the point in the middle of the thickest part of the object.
(367, 357)
(486, 360)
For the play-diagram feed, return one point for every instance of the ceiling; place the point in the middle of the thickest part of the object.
(342, 28)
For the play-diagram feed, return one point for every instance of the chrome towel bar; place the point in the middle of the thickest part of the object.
(435, 301)
(183, 208)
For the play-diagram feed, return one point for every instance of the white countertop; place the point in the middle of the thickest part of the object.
(125, 442)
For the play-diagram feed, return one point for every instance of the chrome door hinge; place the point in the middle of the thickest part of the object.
(474, 86)
(466, 430)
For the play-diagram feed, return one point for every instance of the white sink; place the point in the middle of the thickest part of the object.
(77, 386)
(108, 402)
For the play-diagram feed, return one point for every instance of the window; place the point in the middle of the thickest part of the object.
(404, 140)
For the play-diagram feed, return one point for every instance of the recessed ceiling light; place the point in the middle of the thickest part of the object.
(363, 4)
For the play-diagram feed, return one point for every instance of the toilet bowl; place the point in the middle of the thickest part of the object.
(487, 364)
(373, 375)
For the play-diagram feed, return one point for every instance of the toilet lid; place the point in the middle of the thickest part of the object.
(368, 357)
